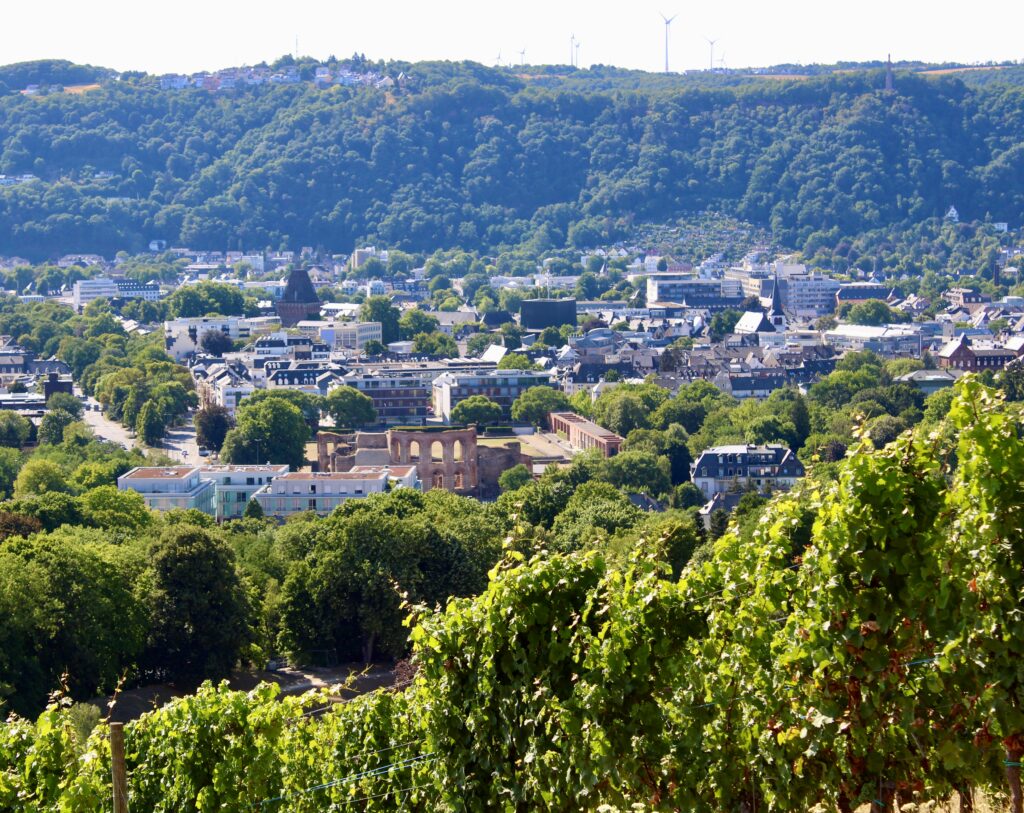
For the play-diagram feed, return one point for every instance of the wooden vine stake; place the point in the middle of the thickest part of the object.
(118, 771)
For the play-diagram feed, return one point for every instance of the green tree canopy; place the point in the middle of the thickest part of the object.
(212, 424)
(199, 610)
(536, 403)
(477, 409)
(271, 430)
(350, 408)
(380, 309)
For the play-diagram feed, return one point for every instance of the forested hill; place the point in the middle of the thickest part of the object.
(469, 156)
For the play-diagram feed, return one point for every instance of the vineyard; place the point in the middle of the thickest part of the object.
(864, 650)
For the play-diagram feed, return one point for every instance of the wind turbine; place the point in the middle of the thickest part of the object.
(497, 61)
(522, 58)
(711, 59)
(668, 22)
(577, 53)
(572, 50)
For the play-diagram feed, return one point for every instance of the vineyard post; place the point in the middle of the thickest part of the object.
(118, 772)
(1013, 756)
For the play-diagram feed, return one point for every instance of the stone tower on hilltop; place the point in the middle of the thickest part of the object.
(299, 300)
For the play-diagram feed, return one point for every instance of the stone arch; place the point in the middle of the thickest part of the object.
(444, 458)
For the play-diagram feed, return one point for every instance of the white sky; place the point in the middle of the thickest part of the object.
(192, 35)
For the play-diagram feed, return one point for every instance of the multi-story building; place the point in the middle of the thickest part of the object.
(182, 337)
(86, 290)
(234, 486)
(501, 386)
(694, 292)
(402, 392)
(808, 295)
(886, 340)
(167, 487)
(856, 292)
(729, 468)
(583, 434)
(133, 289)
(343, 335)
(962, 354)
(322, 492)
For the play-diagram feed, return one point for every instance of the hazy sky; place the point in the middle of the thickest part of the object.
(191, 35)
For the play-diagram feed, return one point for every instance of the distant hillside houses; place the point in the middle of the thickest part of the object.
(233, 78)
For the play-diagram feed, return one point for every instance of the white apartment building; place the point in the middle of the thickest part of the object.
(501, 386)
(322, 492)
(167, 487)
(809, 295)
(86, 290)
(342, 335)
(182, 337)
(234, 486)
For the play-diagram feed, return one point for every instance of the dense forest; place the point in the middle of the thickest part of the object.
(463, 155)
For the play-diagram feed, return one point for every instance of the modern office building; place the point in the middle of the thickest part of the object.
(322, 492)
(234, 486)
(85, 291)
(694, 292)
(501, 386)
(183, 337)
(167, 487)
(537, 314)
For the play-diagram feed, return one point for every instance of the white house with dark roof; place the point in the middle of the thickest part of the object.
(764, 468)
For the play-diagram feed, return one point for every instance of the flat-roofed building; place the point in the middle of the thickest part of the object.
(184, 336)
(402, 392)
(584, 434)
(886, 340)
(501, 386)
(322, 492)
(342, 335)
(167, 487)
(85, 291)
(234, 486)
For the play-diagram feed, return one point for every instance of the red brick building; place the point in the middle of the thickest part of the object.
(960, 354)
(584, 434)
